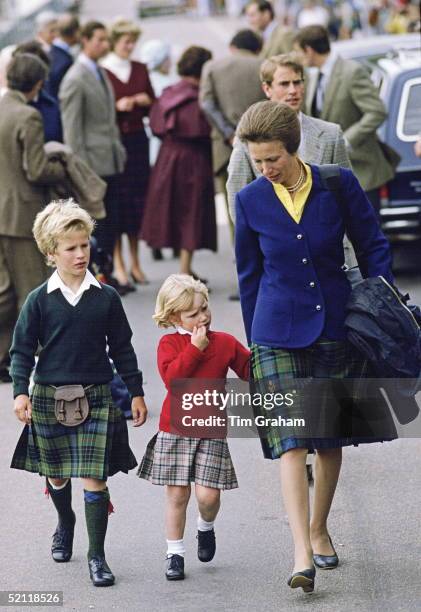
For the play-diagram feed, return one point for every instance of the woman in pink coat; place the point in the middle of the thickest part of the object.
(180, 205)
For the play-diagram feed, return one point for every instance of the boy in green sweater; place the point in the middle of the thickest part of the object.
(72, 319)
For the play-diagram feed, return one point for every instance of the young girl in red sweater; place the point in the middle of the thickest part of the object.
(174, 460)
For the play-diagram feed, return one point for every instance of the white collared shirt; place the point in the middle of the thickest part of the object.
(90, 64)
(55, 282)
(183, 331)
(267, 32)
(62, 44)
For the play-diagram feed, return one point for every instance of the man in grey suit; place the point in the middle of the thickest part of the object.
(25, 175)
(276, 38)
(228, 86)
(89, 124)
(282, 78)
(343, 92)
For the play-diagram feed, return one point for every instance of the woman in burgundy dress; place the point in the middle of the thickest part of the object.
(180, 206)
(134, 96)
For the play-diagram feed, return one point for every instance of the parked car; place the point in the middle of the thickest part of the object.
(399, 81)
(394, 62)
(370, 49)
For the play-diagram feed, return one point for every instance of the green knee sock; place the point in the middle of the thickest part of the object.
(62, 500)
(96, 513)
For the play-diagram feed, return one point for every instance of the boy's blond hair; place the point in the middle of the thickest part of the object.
(55, 221)
(175, 295)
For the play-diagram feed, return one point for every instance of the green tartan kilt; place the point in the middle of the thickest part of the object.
(97, 448)
(362, 417)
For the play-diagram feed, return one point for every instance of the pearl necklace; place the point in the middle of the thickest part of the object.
(299, 182)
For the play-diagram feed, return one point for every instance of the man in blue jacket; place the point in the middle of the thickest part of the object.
(60, 53)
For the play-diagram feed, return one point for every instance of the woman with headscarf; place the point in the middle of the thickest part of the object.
(156, 54)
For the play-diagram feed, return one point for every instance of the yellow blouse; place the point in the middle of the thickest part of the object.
(295, 207)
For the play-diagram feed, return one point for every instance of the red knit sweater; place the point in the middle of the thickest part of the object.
(178, 358)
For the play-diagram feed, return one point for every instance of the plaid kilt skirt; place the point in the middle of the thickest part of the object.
(175, 460)
(97, 448)
(364, 417)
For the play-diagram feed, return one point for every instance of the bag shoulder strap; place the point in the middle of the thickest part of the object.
(330, 175)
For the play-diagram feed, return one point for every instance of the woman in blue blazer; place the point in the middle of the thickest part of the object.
(293, 291)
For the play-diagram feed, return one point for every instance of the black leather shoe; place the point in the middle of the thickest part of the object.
(157, 255)
(175, 568)
(326, 561)
(100, 573)
(304, 579)
(62, 546)
(206, 545)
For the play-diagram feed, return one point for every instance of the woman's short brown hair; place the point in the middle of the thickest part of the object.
(286, 60)
(24, 71)
(268, 121)
(121, 27)
(192, 61)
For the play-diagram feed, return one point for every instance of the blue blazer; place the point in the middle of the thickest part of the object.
(61, 61)
(51, 116)
(292, 286)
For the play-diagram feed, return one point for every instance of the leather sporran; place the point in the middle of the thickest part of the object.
(71, 405)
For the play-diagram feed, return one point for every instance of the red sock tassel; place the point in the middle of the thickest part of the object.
(110, 508)
(46, 492)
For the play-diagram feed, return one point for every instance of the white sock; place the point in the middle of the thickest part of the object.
(58, 488)
(175, 547)
(204, 525)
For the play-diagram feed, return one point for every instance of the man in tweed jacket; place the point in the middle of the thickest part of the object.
(282, 78)
(343, 92)
(276, 38)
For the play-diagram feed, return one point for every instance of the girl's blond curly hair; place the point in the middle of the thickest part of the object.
(176, 295)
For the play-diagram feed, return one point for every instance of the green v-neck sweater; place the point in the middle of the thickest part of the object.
(73, 341)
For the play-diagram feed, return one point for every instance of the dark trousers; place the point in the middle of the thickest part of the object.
(107, 229)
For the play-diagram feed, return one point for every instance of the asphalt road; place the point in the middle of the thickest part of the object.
(375, 520)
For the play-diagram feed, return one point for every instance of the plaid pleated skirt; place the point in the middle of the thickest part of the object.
(97, 448)
(175, 460)
(314, 373)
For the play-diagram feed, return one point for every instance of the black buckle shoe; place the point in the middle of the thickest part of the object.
(304, 579)
(206, 545)
(62, 546)
(326, 562)
(100, 573)
(175, 568)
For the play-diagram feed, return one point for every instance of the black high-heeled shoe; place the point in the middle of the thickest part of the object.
(137, 281)
(304, 579)
(326, 562)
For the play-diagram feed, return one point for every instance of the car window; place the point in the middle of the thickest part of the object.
(409, 117)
